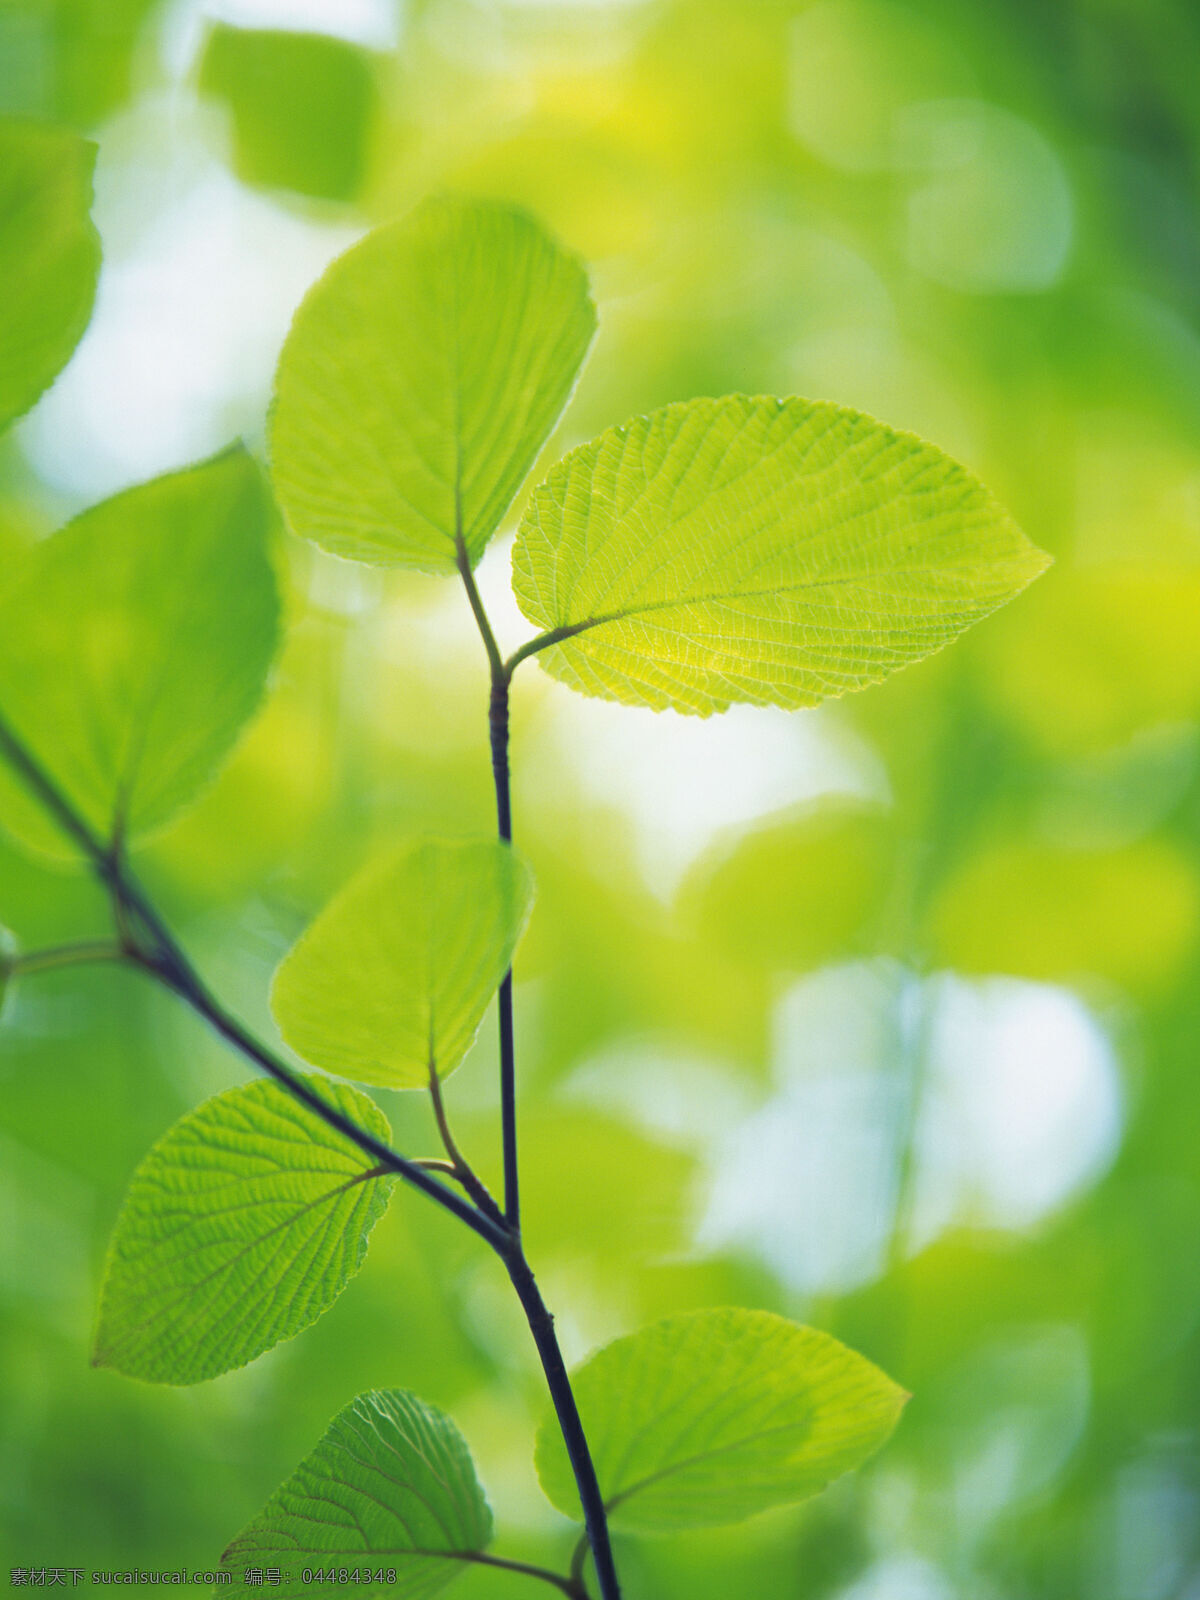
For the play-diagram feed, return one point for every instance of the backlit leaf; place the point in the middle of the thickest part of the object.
(394, 976)
(771, 551)
(390, 1486)
(49, 256)
(712, 1416)
(134, 645)
(240, 1228)
(420, 379)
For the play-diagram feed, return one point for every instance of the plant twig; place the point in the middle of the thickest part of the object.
(543, 641)
(81, 954)
(579, 1560)
(568, 1585)
(458, 1165)
(541, 1323)
(165, 960)
(595, 1515)
(498, 732)
(177, 973)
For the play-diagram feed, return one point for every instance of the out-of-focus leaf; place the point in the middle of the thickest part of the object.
(771, 551)
(392, 979)
(391, 1485)
(631, 1196)
(69, 59)
(302, 106)
(1130, 915)
(134, 645)
(8, 959)
(712, 1416)
(420, 379)
(241, 1227)
(49, 256)
(797, 891)
(1098, 654)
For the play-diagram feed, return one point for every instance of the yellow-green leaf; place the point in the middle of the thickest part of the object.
(134, 645)
(421, 377)
(391, 1489)
(301, 106)
(241, 1227)
(392, 979)
(710, 1417)
(49, 255)
(770, 551)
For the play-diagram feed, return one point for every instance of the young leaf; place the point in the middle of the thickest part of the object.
(390, 1486)
(420, 379)
(394, 976)
(241, 1227)
(712, 1416)
(135, 643)
(49, 256)
(770, 551)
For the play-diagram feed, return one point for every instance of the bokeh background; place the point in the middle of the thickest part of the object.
(884, 1015)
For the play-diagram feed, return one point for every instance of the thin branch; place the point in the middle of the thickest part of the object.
(498, 727)
(568, 1586)
(543, 641)
(579, 1561)
(463, 561)
(595, 1512)
(459, 1166)
(166, 961)
(48, 793)
(498, 731)
(178, 975)
(541, 1323)
(67, 955)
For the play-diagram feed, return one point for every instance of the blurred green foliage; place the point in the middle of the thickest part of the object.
(776, 198)
(301, 105)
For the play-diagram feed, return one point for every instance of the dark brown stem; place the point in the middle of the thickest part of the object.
(541, 1323)
(151, 946)
(595, 1515)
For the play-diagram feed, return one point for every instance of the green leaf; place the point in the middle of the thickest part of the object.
(710, 1417)
(770, 551)
(241, 1227)
(797, 890)
(391, 1485)
(49, 256)
(9, 952)
(420, 379)
(394, 976)
(134, 644)
(302, 107)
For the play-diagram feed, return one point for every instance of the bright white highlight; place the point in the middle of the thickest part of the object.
(1008, 1091)
(180, 353)
(684, 780)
